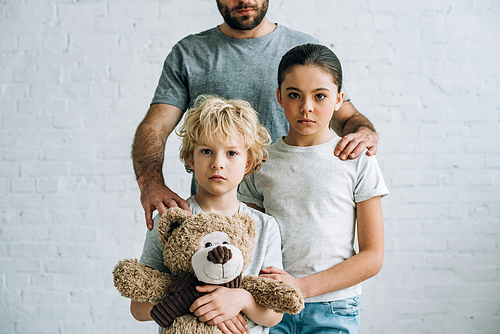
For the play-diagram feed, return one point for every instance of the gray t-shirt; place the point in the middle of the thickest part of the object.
(313, 195)
(267, 251)
(213, 63)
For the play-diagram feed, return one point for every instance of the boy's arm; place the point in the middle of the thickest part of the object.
(148, 151)
(356, 130)
(141, 311)
(358, 268)
(220, 304)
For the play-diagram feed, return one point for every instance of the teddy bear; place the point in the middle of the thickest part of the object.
(206, 248)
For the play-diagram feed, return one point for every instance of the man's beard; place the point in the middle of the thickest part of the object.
(242, 24)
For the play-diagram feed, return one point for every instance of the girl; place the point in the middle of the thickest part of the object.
(317, 199)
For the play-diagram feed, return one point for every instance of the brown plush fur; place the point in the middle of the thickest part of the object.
(181, 236)
(185, 240)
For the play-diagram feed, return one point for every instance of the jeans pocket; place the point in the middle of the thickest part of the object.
(346, 307)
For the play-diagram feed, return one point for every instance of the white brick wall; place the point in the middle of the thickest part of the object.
(76, 77)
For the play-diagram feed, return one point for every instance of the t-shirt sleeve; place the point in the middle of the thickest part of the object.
(369, 181)
(273, 250)
(247, 192)
(172, 86)
(152, 252)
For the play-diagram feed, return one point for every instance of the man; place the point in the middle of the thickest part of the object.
(236, 60)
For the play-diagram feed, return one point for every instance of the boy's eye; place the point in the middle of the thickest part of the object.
(294, 95)
(232, 153)
(206, 151)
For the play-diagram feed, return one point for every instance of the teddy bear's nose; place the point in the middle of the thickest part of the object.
(220, 255)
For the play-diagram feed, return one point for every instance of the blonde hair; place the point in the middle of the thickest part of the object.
(212, 118)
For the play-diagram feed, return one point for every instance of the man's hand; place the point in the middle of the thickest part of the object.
(156, 196)
(353, 144)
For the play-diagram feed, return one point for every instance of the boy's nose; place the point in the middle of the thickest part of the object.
(217, 163)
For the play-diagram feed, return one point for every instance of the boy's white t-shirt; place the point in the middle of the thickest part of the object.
(267, 251)
(312, 194)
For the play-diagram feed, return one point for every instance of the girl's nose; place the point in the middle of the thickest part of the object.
(306, 107)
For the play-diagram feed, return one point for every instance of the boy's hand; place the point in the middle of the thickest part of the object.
(219, 305)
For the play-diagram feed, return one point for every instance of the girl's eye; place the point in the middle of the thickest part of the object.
(206, 151)
(320, 96)
(294, 95)
(232, 153)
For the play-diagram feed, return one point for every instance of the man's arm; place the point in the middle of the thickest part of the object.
(356, 130)
(148, 150)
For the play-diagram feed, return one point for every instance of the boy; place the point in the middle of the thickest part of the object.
(222, 142)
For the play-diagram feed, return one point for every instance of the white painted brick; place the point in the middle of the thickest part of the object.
(81, 9)
(77, 77)
(9, 169)
(24, 185)
(8, 43)
(32, 250)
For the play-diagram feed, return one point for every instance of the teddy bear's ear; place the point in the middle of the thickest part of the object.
(171, 220)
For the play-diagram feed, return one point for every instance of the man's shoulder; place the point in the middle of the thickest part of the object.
(195, 39)
(298, 36)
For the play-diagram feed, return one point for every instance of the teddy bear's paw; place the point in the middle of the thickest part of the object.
(190, 324)
(278, 296)
(140, 283)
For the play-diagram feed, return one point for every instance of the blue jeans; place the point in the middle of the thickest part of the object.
(339, 316)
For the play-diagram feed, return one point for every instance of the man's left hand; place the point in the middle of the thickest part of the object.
(353, 144)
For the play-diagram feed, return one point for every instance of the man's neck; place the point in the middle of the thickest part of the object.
(264, 28)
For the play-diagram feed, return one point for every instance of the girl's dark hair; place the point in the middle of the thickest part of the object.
(314, 55)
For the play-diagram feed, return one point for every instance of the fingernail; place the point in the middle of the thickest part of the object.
(343, 157)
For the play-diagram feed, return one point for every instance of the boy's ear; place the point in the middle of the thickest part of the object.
(278, 96)
(190, 163)
(340, 100)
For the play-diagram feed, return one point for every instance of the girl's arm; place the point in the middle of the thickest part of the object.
(358, 268)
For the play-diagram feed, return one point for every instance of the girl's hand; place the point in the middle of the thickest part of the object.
(279, 275)
(219, 305)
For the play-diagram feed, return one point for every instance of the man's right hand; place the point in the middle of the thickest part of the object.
(157, 196)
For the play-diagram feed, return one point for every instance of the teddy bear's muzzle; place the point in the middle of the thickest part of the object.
(220, 255)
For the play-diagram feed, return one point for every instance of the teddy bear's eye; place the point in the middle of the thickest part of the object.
(225, 243)
(208, 244)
